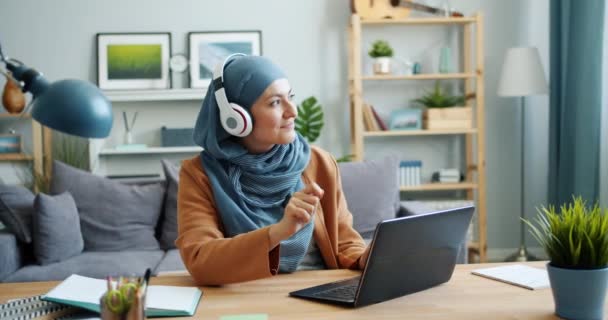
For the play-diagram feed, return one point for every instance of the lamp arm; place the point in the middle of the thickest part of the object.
(2, 57)
(33, 81)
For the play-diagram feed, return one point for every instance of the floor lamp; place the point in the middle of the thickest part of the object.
(522, 75)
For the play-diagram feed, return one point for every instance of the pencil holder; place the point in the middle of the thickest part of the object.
(106, 313)
(135, 312)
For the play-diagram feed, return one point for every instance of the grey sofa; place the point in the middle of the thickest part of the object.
(125, 229)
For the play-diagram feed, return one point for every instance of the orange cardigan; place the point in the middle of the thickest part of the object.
(213, 259)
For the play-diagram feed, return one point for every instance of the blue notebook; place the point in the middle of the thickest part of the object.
(161, 301)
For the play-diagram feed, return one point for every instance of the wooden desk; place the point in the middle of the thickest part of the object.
(465, 296)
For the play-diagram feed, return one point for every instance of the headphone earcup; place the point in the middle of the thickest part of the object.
(238, 122)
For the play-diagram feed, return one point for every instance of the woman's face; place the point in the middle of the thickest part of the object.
(274, 115)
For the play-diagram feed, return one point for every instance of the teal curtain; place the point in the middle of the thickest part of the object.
(576, 45)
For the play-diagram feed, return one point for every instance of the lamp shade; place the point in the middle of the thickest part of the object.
(75, 107)
(522, 74)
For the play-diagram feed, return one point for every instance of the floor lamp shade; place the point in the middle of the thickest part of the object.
(75, 107)
(522, 74)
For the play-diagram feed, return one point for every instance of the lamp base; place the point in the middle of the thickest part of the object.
(522, 255)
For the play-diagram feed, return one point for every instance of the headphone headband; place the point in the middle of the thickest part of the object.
(218, 73)
(234, 118)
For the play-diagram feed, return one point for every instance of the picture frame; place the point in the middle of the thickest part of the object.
(128, 61)
(10, 143)
(406, 119)
(207, 49)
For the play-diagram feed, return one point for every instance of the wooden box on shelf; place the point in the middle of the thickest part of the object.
(448, 118)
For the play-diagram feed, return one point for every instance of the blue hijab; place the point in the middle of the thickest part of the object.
(250, 189)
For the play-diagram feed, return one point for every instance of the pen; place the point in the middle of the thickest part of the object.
(143, 287)
(109, 283)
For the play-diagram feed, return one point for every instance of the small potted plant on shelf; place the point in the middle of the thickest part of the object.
(576, 240)
(382, 52)
(444, 111)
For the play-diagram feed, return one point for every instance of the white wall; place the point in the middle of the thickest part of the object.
(308, 39)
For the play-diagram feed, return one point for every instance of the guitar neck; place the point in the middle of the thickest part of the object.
(425, 8)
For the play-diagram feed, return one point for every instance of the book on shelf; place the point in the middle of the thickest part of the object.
(379, 120)
(368, 119)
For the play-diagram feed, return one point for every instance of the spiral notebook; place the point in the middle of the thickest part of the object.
(518, 275)
(161, 301)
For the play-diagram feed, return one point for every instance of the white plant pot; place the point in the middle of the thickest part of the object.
(382, 65)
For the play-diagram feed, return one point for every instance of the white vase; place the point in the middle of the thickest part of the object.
(128, 137)
(382, 65)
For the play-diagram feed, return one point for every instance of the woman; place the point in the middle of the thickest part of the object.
(252, 206)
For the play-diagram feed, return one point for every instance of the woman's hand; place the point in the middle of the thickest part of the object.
(298, 212)
(363, 259)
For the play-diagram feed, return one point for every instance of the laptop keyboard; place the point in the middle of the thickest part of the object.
(346, 292)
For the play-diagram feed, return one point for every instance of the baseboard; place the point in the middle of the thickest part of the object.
(500, 254)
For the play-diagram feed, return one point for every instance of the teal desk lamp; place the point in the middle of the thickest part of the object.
(71, 106)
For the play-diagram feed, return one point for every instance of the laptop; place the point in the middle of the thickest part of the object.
(408, 254)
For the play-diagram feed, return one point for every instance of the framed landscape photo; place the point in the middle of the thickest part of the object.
(207, 49)
(133, 61)
(406, 119)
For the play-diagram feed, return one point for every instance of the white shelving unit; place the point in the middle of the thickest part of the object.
(155, 95)
(174, 108)
(153, 150)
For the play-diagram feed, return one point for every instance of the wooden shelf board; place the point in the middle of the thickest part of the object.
(431, 21)
(156, 95)
(440, 186)
(151, 150)
(396, 133)
(15, 157)
(421, 76)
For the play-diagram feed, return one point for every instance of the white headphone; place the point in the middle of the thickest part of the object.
(234, 118)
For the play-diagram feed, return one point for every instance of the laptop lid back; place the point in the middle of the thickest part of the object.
(413, 253)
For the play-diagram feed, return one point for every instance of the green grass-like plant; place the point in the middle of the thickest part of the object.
(438, 98)
(69, 149)
(310, 119)
(380, 48)
(576, 237)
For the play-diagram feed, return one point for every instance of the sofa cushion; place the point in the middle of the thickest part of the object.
(168, 232)
(172, 261)
(371, 189)
(91, 264)
(113, 216)
(16, 207)
(10, 253)
(56, 228)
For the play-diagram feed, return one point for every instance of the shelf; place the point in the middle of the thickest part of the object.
(15, 116)
(440, 186)
(397, 133)
(430, 21)
(15, 157)
(422, 76)
(156, 95)
(154, 150)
